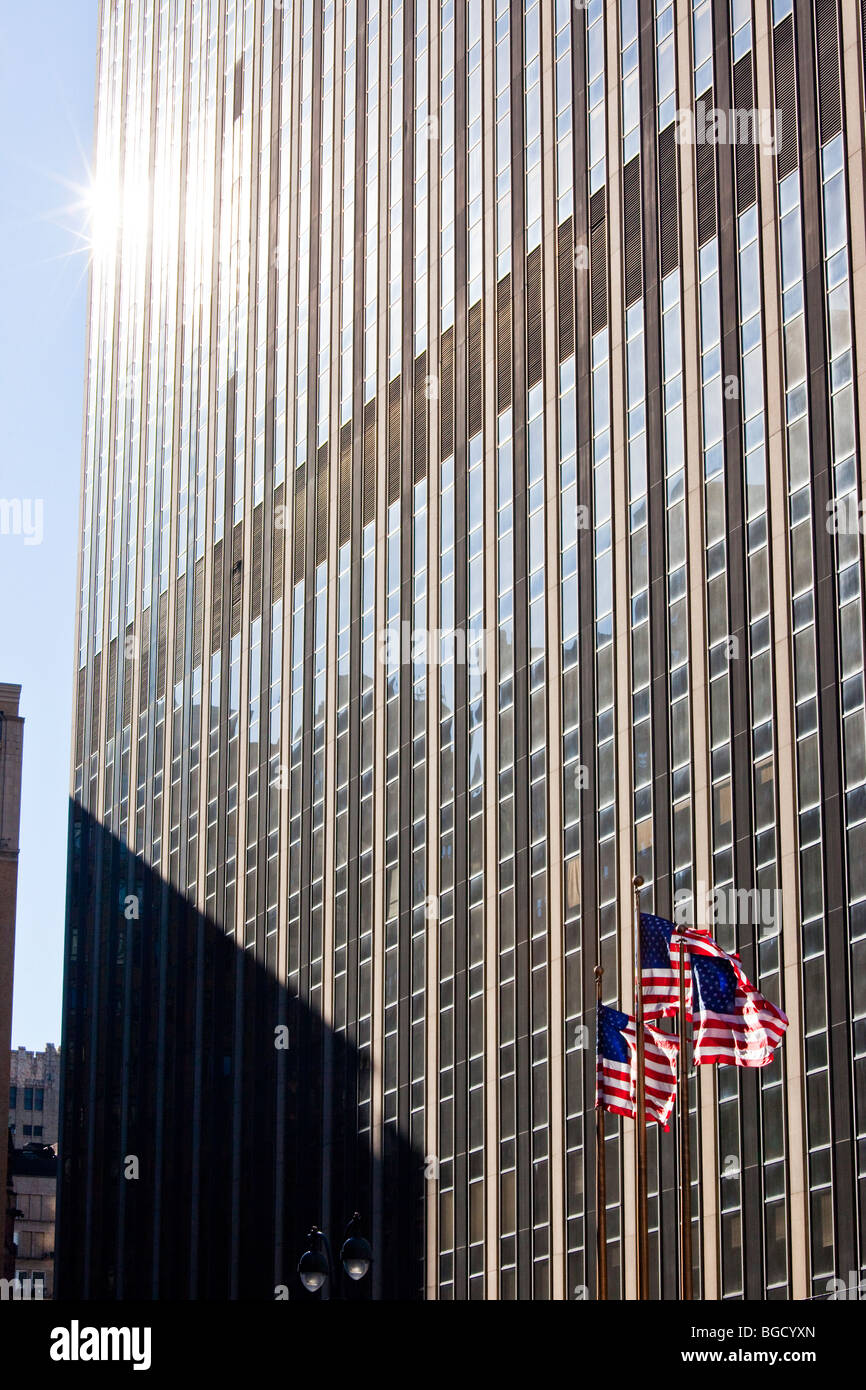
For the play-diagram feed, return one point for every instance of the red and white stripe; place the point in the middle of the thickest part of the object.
(661, 991)
(747, 1038)
(616, 1084)
(699, 942)
(661, 987)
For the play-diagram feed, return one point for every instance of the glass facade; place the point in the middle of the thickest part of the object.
(471, 519)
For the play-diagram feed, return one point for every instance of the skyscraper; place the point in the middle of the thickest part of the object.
(471, 521)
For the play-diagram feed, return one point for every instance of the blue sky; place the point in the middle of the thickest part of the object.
(47, 74)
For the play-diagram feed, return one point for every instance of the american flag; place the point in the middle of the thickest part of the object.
(616, 1067)
(734, 1024)
(659, 967)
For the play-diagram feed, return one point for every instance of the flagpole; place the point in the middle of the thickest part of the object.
(600, 1173)
(640, 1108)
(685, 1146)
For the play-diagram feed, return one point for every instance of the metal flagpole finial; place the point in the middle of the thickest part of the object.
(638, 881)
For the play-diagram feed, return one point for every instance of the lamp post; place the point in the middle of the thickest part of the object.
(316, 1266)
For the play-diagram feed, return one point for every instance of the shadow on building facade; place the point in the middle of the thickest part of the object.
(208, 1116)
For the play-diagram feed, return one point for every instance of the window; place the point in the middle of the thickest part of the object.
(13, 1097)
(40, 1096)
(28, 1131)
(28, 1097)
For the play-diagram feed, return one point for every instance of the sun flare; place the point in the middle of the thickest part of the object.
(116, 210)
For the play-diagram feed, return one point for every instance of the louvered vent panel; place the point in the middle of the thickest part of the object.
(237, 576)
(369, 500)
(446, 394)
(216, 598)
(112, 687)
(161, 645)
(345, 518)
(565, 288)
(475, 365)
(322, 481)
(95, 694)
(534, 318)
(705, 158)
(631, 217)
(669, 201)
(144, 654)
(279, 542)
(829, 94)
(786, 97)
(744, 150)
(503, 344)
(256, 595)
(419, 424)
(128, 667)
(598, 259)
(179, 625)
(198, 613)
(79, 714)
(298, 537)
(394, 389)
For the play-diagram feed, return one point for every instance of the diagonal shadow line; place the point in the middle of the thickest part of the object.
(169, 1058)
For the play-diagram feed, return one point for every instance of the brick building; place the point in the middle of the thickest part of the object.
(34, 1096)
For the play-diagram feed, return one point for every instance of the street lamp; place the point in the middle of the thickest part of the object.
(316, 1265)
(356, 1254)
